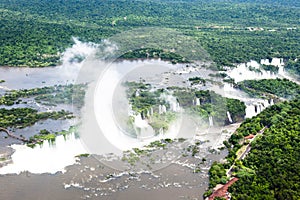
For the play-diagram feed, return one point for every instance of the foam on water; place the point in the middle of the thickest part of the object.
(45, 158)
(50, 158)
(104, 97)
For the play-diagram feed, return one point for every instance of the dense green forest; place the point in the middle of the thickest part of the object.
(271, 169)
(293, 67)
(150, 53)
(274, 157)
(278, 87)
(23, 117)
(35, 33)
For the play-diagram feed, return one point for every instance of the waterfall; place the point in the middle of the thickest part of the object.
(211, 122)
(277, 62)
(161, 131)
(137, 93)
(173, 107)
(142, 128)
(139, 122)
(260, 108)
(229, 117)
(271, 102)
(46, 158)
(160, 109)
(164, 109)
(265, 62)
(151, 111)
(281, 70)
(251, 110)
(197, 102)
(148, 113)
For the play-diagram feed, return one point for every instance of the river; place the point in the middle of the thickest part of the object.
(89, 178)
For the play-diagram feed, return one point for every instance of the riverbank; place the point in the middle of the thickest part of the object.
(193, 170)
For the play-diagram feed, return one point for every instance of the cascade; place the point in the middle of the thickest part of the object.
(197, 102)
(250, 111)
(164, 109)
(229, 117)
(137, 93)
(161, 131)
(160, 109)
(173, 107)
(211, 122)
(260, 108)
(142, 128)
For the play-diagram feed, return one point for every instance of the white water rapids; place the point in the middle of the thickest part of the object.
(53, 158)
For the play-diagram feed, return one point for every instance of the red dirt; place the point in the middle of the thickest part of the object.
(222, 192)
(249, 137)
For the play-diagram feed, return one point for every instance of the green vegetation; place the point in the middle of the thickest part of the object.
(23, 117)
(141, 98)
(220, 198)
(278, 87)
(85, 155)
(293, 67)
(193, 150)
(162, 121)
(197, 80)
(270, 68)
(150, 53)
(217, 174)
(34, 33)
(274, 157)
(136, 154)
(64, 94)
(154, 151)
(162, 143)
(211, 104)
(229, 80)
(58, 94)
(270, 170)
(218, 75)
(47, 135)
(2, 81)
(267, 118)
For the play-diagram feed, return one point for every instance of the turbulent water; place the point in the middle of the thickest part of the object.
(49, 157)
(101, 176)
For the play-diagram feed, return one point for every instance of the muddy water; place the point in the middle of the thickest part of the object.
(33, 186)
(25, 78)
(49, 124)
(90, 178)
